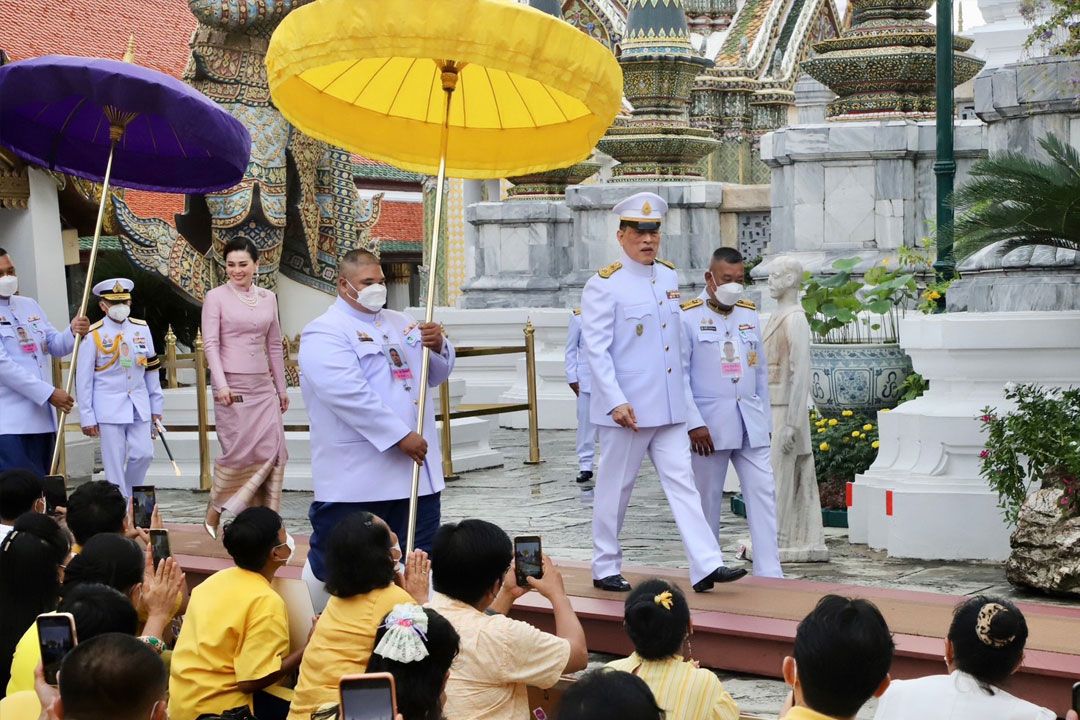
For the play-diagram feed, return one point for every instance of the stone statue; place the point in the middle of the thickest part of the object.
(297, 201)
(787, 348)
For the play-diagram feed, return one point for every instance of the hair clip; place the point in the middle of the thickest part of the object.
(406, 634)
(664, 599)
(987, 613)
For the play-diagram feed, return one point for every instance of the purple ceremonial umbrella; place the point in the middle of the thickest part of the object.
(117, 123)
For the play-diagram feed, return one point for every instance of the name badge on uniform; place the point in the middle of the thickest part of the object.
(673, 295)
(730, 363)
(4, 320)
(125, 356)
(399, 369)
(28, 346)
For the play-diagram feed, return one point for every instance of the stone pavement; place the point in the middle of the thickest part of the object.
(544, 500)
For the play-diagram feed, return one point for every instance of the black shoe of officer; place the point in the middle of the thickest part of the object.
(584, 476)
(612, 583)
(719, 575)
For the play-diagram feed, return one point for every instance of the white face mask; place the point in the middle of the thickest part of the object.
(9, 285)
(372, 297)
(119, 313)
(395, 554)
(289, 543)
(729, 293)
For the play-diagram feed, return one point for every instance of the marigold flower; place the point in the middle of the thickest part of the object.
(821, 430)
(824, 447)
(876, 444)
(884, 410)
(868, 426)
(854, 433)
(833, 422)
(847, 413)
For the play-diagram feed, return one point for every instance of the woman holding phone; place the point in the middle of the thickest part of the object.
(242, 340)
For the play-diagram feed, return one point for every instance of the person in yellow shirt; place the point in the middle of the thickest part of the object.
(657, 620)
(360, 578)
(235, 639)
(608, 693)
(843, 652)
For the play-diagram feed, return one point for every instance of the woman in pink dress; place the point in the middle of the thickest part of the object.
(242, 339)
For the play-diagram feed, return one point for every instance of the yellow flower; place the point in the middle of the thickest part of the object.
(854, 433)
(867, 426)
(884, 410)
(820, 423)
(823, 447)
(833, 422)
(862, 436)
(847, 413)
(821, 430)
(876, 444)
(934, 295)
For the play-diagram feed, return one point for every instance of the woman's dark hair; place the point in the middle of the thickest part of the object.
(656, 630)
(251, 536)
(607, 693)
(99, 609)
(468, 558)
(95, 507)
(108, 559)
(419, 685)
(30, 560)
(357, 556)
(988, 636)
(240, 244)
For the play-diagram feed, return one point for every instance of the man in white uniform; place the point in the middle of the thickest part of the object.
(727, 386)
(630, 322)
(119, 387)
(360, 376)
(578, 377)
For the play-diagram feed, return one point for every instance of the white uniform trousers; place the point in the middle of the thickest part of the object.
(668, 446)
(126, 452)
(586, 434)
(759, 494)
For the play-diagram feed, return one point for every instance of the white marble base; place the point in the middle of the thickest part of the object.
(929, 459)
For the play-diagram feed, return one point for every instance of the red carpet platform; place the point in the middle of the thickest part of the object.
(748, 626)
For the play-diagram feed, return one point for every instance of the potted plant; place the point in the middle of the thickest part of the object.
(1032, 460)
(855, 359)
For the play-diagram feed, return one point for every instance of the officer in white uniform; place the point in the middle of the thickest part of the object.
(360, 376)
(27, 396)
(119, 388)
(727, 385)
(631, 325)
(578, 377)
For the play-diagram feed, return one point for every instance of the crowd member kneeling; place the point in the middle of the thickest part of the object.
(657, 620)
(985, 645)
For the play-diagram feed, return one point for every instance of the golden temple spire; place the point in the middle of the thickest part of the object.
(129, 55)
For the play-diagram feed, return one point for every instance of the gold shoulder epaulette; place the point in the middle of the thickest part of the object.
(606, 272)
(137, 321)
(666, 263)
(577, 311)
(746, 304)
(691, 304)
(98, 324)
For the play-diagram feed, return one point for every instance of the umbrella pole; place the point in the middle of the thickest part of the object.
(449, 82)
(115, 132)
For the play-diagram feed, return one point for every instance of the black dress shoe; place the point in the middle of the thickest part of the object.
(584, 476)
(719, 575)
(612, 583)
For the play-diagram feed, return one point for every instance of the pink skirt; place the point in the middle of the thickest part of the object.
(251, 468)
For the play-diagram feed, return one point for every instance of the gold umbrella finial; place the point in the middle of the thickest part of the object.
(129, 55)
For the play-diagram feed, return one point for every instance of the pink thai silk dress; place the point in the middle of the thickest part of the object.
(242, 341)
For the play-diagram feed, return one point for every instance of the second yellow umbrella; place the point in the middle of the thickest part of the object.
(467, 88)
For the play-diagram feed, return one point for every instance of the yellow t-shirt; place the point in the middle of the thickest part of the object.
(23, 705)
(236, 629)
(342, 644)
(25, 660)
(682, 690)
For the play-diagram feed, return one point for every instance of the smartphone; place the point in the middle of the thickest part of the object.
(237, 398)
(1076, 697)
(528, 559)
(56, 637)
(143, 499)
(55, 493)
(159, 545)
(368, 697)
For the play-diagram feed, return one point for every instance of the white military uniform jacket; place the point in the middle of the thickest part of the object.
(630, 323)
(27, 340)
(713, 400)
(361, 403)
(117, 378)
(577, 367)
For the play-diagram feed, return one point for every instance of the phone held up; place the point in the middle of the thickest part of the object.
(159, 545)
(55, 493)
(371, 696)
(143, 499)
(528, 559)
(56, 638)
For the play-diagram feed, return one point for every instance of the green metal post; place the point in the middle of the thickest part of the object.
(945, 166)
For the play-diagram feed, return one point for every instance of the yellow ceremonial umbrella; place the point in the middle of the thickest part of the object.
(467, 88)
